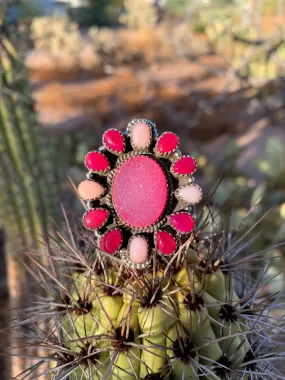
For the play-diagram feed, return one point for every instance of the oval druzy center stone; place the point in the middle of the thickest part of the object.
(140, 191)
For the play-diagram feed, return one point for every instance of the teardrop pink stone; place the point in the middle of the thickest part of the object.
(141, 135)
(182, 222)
(96, 218)
(185, 166)
(167, 142)
(111, 241)
(97, 161)
(114, 140)
(138, 249)
(165, 242)
(90, 190)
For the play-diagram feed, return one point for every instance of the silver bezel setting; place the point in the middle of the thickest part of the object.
(175, 182)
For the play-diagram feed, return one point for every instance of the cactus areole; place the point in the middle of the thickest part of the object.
(148, 188)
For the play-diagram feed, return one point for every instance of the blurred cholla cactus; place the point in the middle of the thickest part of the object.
(259, 59)
(56, 34)
(139, 14)
(105, 39)
(184, 302)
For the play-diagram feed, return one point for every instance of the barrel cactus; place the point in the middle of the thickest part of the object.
(153, 289)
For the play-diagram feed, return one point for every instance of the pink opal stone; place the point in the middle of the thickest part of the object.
(90, 190)
(111, 241)
(191, 194)
(182, 222)
(165, 243)
(114, 140)
(138, 249)
(140, 191)
(185, 166)
(96, 218)
(97, 162)
(141, 135)
(167, 142)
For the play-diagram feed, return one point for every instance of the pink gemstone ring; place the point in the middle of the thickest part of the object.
(139, 190)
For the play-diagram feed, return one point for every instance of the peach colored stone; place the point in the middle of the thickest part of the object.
(138, 249)
(140, 135)
(191, 194)
(90, 190)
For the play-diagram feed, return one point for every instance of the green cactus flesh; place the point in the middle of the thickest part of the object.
(197, 316)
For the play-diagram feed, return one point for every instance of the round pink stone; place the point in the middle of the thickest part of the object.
(141, 135)
(140, 191)
(138, 249)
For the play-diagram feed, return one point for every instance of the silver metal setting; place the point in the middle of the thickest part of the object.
(175, 182)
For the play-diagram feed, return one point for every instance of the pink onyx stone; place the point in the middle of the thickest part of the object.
(141, 135)
(165, 243)
(185, 166)
(111, 241)
(182, 222)
(96, 218)
(191, 194)
(167, 142)
(90, 190)
(140, 191)
(114, 140)
(97, 162)
(138, 249)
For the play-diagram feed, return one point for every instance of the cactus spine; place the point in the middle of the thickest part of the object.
(201, 317)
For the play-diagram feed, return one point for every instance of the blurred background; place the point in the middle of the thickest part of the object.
(210, 70)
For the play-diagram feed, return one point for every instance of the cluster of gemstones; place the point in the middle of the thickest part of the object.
(139, 193)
